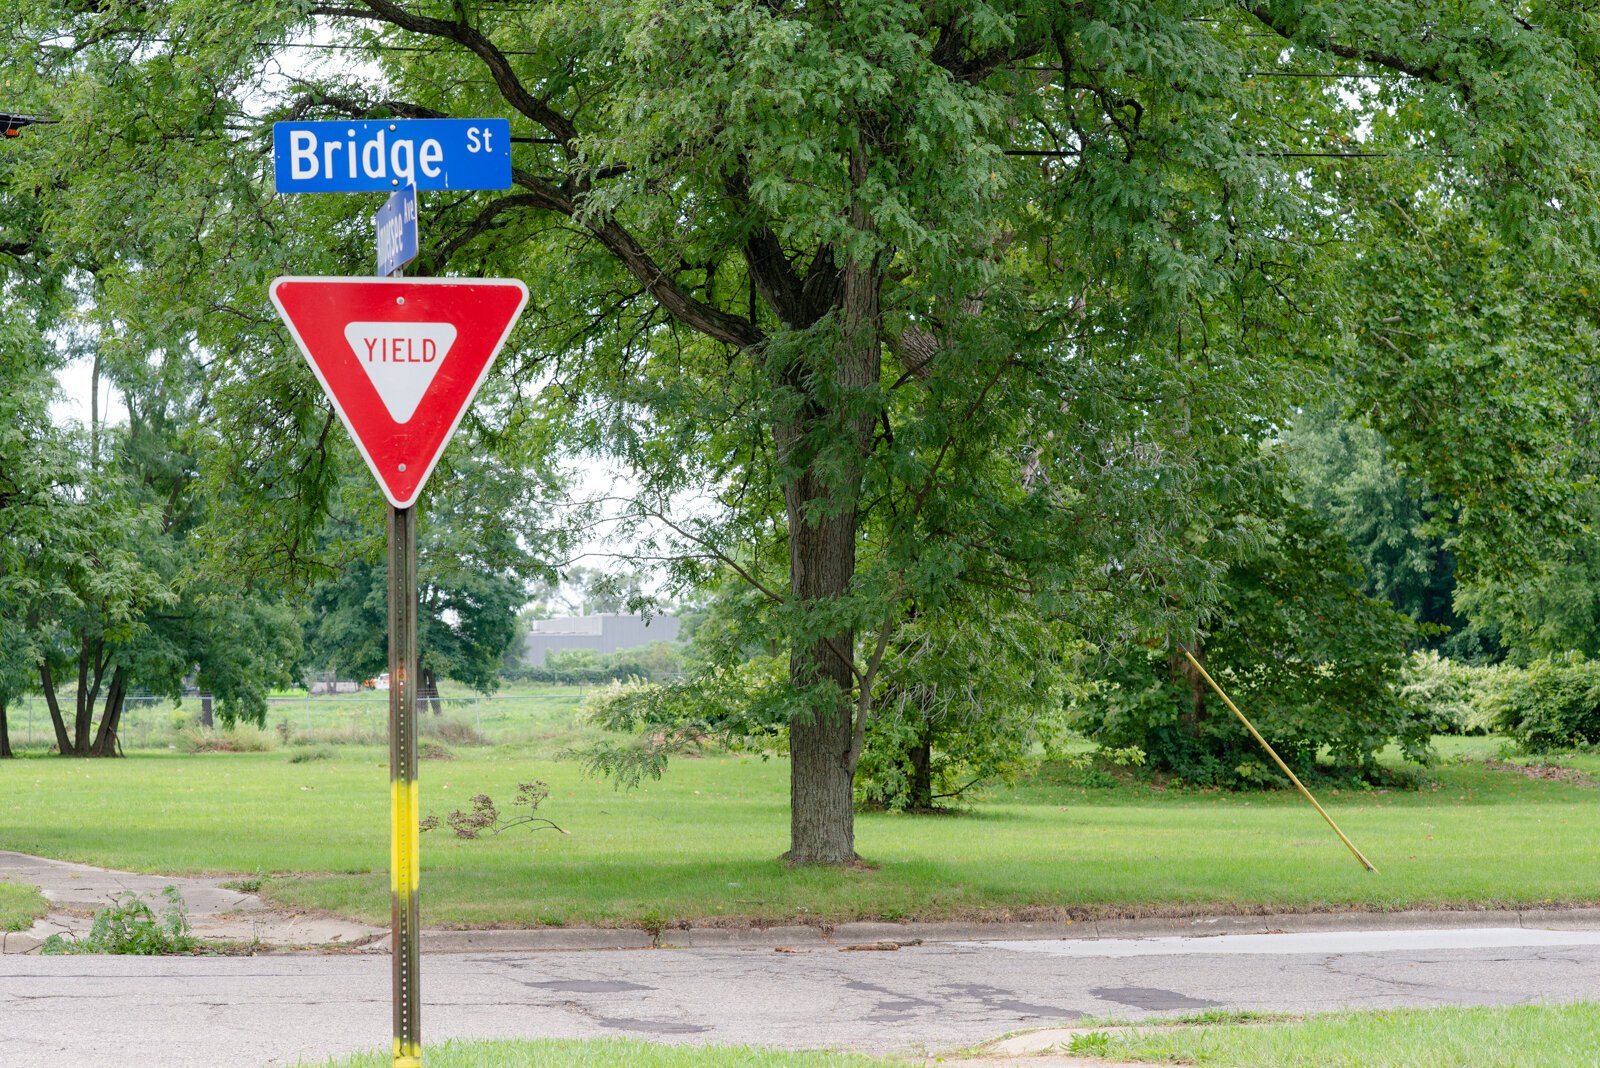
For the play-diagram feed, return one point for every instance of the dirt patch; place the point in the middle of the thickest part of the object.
(1544, 772)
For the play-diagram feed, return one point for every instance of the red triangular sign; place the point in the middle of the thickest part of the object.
(401, 359)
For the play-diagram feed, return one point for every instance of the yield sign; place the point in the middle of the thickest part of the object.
(401, 359)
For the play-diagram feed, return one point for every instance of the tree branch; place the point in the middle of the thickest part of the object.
(1290, 31)
(505, 79)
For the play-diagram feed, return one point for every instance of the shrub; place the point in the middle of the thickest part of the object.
(1457, 695)
(1550, 704)
(1315, 664)
(238, 738)
(306, 756)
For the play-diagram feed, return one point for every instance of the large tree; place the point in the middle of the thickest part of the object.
(923, 294)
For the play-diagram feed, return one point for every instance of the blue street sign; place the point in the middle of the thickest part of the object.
(384, 154)
(396, 223)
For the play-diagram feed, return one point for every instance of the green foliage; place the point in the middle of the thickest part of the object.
(909, 297)
(474, 563)
(1314, 663)
(1551, 704)
(130, 926)
(744, 707)
(1456, 695)
(963, 704)
(1346, 474)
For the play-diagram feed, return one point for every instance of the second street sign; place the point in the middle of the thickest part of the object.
(396, 224)
(370, 155)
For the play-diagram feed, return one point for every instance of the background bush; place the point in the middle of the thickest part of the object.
(1317, 665)
(1550, 704)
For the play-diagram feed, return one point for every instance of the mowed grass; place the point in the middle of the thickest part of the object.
(702, 844)
(20, 905)
(604, 1053)
(1521, 1036)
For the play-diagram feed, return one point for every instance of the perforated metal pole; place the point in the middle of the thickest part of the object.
(404, 867)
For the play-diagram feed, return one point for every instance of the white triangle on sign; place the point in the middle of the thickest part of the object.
(400, 359)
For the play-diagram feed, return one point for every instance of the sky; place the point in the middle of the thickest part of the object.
(72, 402)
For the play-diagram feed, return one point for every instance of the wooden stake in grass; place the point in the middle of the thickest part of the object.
(1365, 863)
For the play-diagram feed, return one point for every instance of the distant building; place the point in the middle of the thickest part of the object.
(603, 634)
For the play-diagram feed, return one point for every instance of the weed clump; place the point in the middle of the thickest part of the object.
(454, 732)
(129, 926)
(238, 738)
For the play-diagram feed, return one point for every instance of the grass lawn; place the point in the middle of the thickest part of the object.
(1522, 1036)
(702, 843)
(604, 1053)
(19, 906)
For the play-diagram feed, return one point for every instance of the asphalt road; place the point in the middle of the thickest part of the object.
(86, 1012)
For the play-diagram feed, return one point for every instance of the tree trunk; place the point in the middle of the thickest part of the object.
(83, 711)
(1192, 709)
(105, 742)
(822, 556)
(48, 684)
(822, 519)
(88, 694)
(5, 733)
(206, 718)
(919, 792)
(429, 690)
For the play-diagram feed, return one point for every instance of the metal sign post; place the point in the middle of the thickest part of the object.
(405, 847)
(404, 861)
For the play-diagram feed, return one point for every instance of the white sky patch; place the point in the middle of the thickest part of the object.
(72, 402)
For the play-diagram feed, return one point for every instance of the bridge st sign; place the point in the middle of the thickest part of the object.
(371, 155)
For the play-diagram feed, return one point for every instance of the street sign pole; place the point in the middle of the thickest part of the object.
(404, 862)
(400, 377)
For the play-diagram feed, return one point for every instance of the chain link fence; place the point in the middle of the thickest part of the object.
(548, 716)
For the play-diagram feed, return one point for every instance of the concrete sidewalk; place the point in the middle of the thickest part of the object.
(216, 913)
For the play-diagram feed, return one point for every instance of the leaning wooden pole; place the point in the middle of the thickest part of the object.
(1365, 863)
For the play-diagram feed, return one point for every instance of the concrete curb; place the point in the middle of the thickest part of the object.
(551, 939)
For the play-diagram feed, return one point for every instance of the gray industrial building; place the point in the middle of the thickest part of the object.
(602, 633)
